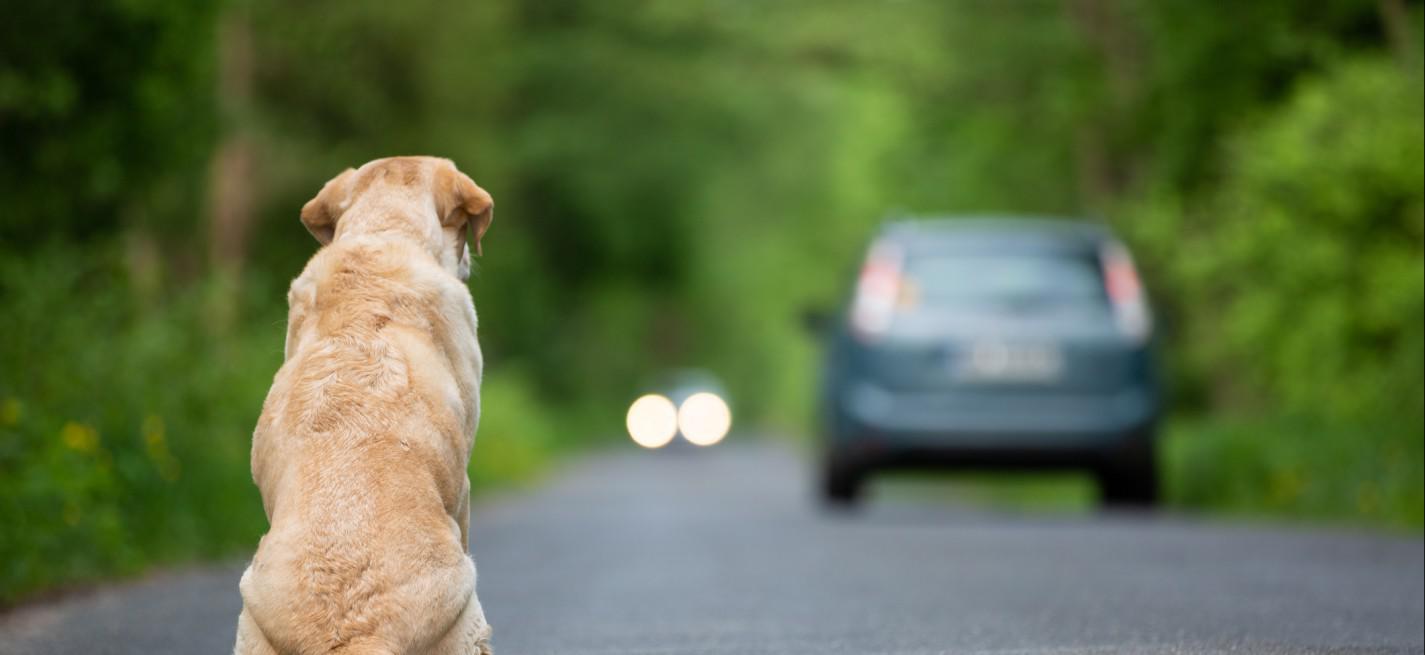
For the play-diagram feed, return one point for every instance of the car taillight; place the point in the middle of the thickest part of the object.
(877, 291)
(1125, 292)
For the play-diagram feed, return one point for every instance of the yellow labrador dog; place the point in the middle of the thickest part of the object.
(361, 450)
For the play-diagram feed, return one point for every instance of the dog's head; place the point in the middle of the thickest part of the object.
(422, 196)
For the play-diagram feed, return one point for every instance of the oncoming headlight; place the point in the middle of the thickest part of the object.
(652, 421)
(704, 419)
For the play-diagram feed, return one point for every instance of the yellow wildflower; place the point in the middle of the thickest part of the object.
(80, 437)
(10, 411)
(156, 442)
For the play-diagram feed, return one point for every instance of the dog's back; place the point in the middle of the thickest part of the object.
(360, 455)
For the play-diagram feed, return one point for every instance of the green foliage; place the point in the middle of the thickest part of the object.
(124, 426)
(1302, 305)
(106, 115)
(1297, 279)
(1205, 78)
(517, 434)
(116, 449)
(1311, 248)
(1299, 468)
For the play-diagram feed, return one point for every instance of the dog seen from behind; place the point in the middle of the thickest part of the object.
(361, 449)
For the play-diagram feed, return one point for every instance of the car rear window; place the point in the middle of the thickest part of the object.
(1004, 279)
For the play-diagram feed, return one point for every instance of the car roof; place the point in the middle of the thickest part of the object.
(989, 233)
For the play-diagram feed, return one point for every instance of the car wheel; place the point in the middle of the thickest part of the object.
(843, 481)
(1130, 476)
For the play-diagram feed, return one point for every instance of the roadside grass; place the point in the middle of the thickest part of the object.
(1280, 468)
(1366, 473)
(1037, 493)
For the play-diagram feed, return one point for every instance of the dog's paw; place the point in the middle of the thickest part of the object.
(482, 640)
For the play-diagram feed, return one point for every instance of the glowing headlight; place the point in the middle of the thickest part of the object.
(704, 419)
(652, 421)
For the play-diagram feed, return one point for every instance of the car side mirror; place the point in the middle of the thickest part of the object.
(817, 321)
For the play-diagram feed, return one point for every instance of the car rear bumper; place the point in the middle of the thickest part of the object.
(1016, 422)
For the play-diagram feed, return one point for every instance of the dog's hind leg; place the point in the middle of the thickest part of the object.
(250, 640)
(469, 636)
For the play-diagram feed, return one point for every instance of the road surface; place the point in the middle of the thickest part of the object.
(722, 551)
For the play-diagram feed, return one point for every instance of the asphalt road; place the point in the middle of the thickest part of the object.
(722, 551)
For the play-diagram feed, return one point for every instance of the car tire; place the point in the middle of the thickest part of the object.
(843, 482)
(1129, 477)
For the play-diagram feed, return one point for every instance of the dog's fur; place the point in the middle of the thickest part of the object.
(361, 449)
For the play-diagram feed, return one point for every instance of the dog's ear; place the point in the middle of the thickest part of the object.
(320, 214)
(464, 204)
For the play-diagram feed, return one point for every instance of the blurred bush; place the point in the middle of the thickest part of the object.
(106, 117)
(124, 425)
(1299, 273)
(1301, 468)
(517, 433)
(124, 411)
(1300, 302)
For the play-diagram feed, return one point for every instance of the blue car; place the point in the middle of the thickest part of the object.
(993, 343)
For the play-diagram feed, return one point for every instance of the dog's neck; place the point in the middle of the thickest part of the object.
(391, 218)
(404, 220)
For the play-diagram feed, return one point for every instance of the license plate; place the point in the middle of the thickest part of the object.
(1002, 362)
